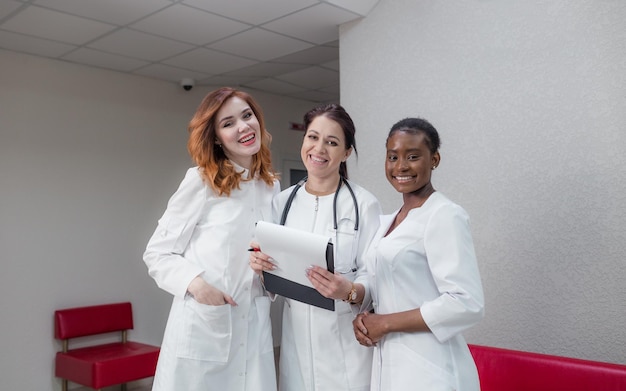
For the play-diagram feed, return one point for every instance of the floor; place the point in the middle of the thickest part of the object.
(145, 385)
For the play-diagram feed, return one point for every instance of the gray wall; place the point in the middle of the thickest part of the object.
(529, 98)
(88, 160)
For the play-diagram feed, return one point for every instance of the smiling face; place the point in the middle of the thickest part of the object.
(238, 131)
(324, 148)
(409, 162)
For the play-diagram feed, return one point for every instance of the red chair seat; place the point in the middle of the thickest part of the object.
(108, 364)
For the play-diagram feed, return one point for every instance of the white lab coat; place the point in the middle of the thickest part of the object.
(212, 347)
(426, 262)
(318, 348)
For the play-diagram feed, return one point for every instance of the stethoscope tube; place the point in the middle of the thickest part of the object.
(342, 180)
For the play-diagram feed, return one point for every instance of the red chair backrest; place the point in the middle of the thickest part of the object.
(82, 321)
(512, 370)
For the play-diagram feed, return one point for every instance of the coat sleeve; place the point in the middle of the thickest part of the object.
(370, 211)
(164, 253)
(452, 262)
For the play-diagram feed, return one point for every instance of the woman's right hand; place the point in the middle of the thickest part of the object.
(205, 293)
(260, 261)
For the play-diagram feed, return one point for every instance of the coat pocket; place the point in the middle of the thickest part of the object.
(206, 332)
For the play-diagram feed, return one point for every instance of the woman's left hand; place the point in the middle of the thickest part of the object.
(360, 331)
(330, 285)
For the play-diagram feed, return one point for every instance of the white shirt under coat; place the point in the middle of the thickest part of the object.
(202, 234)
(427, 262)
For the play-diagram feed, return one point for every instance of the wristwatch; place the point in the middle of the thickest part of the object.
(351, 295)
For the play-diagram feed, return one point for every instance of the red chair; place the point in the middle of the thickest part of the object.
(101, 365)
(514, 370)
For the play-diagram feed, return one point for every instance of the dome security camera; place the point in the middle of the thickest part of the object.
(187, 84)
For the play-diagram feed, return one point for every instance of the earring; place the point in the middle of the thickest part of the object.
(434, 167)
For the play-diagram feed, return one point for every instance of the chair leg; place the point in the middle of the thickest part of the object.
(123, 386)
(64, 384)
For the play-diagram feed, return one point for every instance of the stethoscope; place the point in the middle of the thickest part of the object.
(342, 180)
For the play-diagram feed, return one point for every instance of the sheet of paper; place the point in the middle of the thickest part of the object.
(292, 250)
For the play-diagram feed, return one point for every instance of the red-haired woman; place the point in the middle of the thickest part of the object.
(218, 335)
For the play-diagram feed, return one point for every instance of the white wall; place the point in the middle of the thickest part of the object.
(529, 99)
(88, 160)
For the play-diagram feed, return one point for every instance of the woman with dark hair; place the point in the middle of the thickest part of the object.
(318, 350)
(218, 335)
(425, 284)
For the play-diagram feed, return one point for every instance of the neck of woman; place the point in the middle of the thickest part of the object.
(417, 198)
(322, 186)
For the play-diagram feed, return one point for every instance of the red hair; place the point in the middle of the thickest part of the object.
(217, 171)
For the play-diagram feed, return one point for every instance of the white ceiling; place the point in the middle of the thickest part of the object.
(284, 47)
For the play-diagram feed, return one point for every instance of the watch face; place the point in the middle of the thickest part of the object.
(353, 295)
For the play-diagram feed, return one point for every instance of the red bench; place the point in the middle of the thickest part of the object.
(101, 365)
(512, 370)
